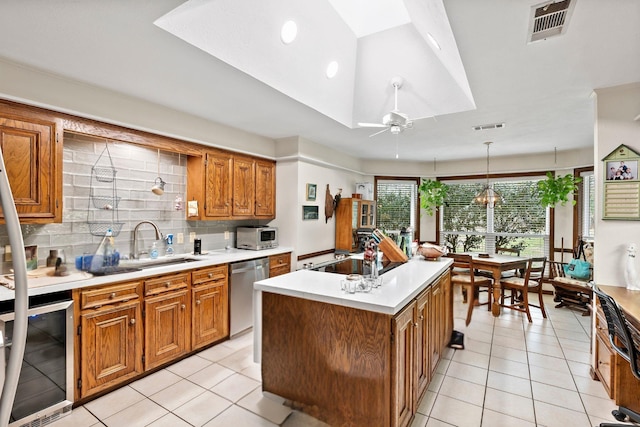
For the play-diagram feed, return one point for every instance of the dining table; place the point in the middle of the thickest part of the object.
(496, 264)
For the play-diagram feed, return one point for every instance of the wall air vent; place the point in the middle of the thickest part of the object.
(549, 19)
(491, 126)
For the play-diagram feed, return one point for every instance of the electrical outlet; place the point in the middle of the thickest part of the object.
(226, 235)
(7, 254)
(180, 238)
(192, 236)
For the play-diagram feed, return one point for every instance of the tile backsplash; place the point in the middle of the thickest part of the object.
(137, 168)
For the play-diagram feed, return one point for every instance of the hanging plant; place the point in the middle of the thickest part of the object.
(432, 195)
(554, 190)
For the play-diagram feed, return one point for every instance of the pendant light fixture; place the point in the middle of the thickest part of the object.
(158, 186)
(488, 196)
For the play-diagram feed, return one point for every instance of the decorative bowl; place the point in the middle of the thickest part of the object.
(430, 252)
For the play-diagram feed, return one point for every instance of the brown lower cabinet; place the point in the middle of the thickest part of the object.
(420, 331)
(128, 328)
(109, 336)
(348, 366)
(279, 264)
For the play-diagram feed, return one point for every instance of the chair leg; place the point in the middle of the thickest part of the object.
(544, 311)
(471, 305)
(525, 301)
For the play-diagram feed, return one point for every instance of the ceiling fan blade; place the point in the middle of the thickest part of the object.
(424, 117)
(378, 133)
(372, 125)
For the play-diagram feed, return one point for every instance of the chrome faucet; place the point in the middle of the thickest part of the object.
(135, 254)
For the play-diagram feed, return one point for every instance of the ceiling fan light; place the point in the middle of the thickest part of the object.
(288, 32)
(332, 69)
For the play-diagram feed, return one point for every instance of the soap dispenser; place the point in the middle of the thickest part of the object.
(154, 251)
(169, 249)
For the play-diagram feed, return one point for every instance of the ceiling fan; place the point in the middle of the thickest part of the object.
(395, 121)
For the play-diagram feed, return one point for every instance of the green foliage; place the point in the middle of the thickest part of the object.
(557, 190)
(515, 216)
(432, 195)
(394, 211)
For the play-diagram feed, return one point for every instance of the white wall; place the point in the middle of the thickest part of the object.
(616, 109)
(301, 162)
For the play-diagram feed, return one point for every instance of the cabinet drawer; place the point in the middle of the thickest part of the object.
(109, 295)
(277, 261)
(605, 364)
(278, 271)
(165, 284)
(211, 274)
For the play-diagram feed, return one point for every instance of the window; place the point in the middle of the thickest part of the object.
(397, 205)
(519, 223)
(586, 205)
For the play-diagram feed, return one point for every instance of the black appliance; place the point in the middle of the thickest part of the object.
(353, 266)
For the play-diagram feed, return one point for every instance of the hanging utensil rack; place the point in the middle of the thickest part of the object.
(102, 211)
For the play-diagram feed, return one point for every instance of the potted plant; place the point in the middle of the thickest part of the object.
(554, 190)
(432, 195)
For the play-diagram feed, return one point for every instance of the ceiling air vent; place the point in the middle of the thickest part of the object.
(549, 19)
(491, 126)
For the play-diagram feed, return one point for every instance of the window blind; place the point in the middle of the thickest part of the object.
(396, 204)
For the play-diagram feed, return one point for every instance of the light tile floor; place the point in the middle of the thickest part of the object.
(510, 373)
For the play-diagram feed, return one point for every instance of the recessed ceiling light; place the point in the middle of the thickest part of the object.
(289, 32)
(332, 69)
(433, 41)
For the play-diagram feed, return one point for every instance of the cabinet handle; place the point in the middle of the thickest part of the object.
(421, 317)
(415, 324)
(113, 295)
(167, 284)
(210, 275)
(183, 306)
(132, 321)
(226, 203)
(198, 302)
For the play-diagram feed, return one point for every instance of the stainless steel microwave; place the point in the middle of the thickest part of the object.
(256, 237)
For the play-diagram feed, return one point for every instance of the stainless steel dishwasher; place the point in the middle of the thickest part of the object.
(243, 275)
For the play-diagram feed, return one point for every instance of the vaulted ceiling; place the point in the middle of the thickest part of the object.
(223, 60)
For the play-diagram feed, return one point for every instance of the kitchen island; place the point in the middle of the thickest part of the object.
(358, 359)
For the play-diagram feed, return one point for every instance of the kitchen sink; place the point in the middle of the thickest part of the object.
(143, 264)
(131, 265)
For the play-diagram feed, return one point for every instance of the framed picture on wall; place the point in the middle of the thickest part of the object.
(311, 192)
(621, 195)
(309, 212)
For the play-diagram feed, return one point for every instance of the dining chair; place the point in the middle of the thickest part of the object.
(520, 288)
(462, 273)
(626, 344)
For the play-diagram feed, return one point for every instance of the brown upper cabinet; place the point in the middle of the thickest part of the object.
(234, 186)
(32, 148)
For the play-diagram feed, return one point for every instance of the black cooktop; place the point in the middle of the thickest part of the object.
(354, 266)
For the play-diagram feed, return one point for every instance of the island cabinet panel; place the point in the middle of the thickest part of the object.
(423, 346)
(349, 366)
(402, 363)
(333, 362)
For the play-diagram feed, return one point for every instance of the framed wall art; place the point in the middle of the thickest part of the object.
(309, 212)
(311, 192)
(621, 194)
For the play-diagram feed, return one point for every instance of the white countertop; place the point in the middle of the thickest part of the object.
(44, 284)
(399, 286)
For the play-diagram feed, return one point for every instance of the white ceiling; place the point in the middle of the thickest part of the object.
(542, 91)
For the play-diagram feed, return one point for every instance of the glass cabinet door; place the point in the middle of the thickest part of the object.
(364, 219)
